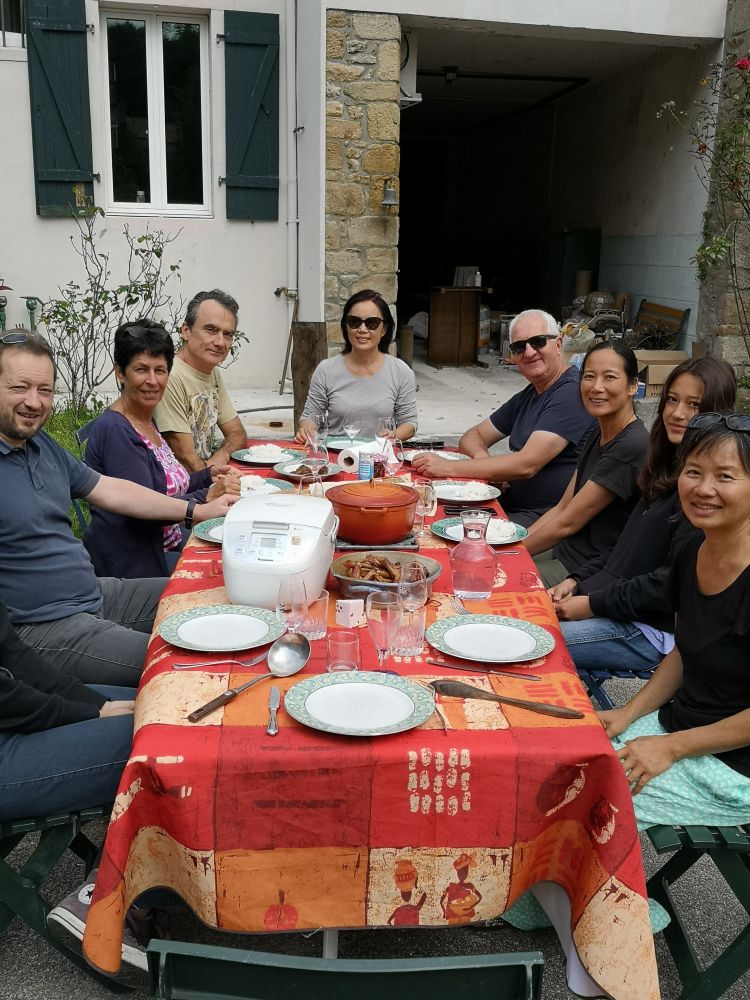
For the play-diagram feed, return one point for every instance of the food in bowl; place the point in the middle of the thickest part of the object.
(379, 568)
(351, 586)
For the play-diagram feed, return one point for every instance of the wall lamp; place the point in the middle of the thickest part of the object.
(390, 196)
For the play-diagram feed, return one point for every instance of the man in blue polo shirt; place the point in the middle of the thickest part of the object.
(94, 628)
(545, 422)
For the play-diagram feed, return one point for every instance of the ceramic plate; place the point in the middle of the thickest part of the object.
(339, 443)
(272, 486)
(452, 456)
(223, 628)
(470, 491)
(451, 528)
(285, 469)
(262, 454)
(490, 638)
(359, 704)
(211, 530)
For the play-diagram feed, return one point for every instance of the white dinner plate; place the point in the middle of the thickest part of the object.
(452, 456)
(263, 454)
(338, 443)
(211, 530)
(468, 491)
(499, 532)
(359, 704)
(490, 638)
(221, 628)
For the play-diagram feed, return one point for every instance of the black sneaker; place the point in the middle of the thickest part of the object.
(67, 921)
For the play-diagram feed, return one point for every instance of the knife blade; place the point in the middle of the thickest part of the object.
(274, 701)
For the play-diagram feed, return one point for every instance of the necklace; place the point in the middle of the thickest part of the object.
(619, 430)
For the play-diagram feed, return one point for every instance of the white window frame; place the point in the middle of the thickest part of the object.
(156, 131)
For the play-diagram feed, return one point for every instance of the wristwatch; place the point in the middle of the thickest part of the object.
(188, 519)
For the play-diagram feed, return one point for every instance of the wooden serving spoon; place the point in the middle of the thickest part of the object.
(458, 689)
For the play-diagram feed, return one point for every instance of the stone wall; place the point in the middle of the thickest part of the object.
(363, 65)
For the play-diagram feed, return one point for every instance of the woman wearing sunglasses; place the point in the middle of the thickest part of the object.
(364, 377)
(684, 739)
(613, 611)
(597, 503)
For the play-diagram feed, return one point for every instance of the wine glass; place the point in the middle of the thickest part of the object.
(353, 424)
(319, 432)
(383, 615)
(394, 456)
(291, 603)
(316, 457)
(385, 427)
(412, 585)
(426, 502)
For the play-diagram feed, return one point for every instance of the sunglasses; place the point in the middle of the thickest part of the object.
(15, 338)
(733, 421)
(517, 347)
(371, 322)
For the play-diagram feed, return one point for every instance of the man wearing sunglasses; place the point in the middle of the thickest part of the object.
(544, 423)
(195, 403)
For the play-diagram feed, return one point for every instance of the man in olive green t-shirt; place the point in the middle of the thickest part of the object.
(195, 402)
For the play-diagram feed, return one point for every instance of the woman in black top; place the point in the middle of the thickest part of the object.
(684, 739)
(614, 611)
(604, 489)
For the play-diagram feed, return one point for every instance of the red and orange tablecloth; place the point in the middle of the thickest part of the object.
(436, 826)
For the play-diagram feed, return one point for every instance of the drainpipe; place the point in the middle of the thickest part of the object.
(292, 191)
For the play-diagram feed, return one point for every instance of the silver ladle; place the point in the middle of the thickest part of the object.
(287, 656)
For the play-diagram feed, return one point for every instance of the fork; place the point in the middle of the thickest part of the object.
(213, 663)
(458, 604)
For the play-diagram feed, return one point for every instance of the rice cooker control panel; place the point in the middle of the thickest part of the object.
(273, 544)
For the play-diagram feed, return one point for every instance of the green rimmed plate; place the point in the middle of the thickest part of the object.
(359, 704)
(490, 638)
(451, 529)
(221, 628)
(286, 469)
(339, 442)
(255, 456)
(211, 530)
(274, 486)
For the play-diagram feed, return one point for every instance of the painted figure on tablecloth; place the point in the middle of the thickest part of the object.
(407, 914)
(459, 900)
(281, 916)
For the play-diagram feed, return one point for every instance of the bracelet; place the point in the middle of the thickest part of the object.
(188, 519)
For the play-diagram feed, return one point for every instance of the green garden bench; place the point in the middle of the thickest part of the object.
(20, 888)
(178, 971)
(729, 849)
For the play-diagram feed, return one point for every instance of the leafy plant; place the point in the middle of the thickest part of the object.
(62, 425)
(82, 320)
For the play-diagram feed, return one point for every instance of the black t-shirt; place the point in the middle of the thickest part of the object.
(615, 466)
(558, 410)
(712, 635)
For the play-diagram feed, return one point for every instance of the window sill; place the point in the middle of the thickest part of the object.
(142, 212)
(11, 53)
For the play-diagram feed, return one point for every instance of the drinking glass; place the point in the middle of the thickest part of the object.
(316, 456)
(385, 427)
(382, 613)
(291, 603)
(426, 502)
(312, 485)
(319, 431)
(409, 638)
(353, 424)
(342, 651)
(394, 456)
(412, 585)
(315, 625)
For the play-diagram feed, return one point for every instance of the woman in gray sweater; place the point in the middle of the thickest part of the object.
(364, 377)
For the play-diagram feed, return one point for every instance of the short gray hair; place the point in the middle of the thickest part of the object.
(553, 327)
(223, 298)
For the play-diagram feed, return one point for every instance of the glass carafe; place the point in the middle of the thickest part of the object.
(473, 561)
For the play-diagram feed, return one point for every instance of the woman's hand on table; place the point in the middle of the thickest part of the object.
(561, 590)
(228, 482)
(110, 708)
(427, 464)
(572, 609)
(214, 508)
(645, 757)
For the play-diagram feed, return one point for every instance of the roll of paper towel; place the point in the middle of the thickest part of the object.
(349, 459)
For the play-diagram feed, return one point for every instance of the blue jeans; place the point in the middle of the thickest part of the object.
(603, 644)
(67, 768)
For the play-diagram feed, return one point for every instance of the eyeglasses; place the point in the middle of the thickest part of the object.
(371, 322)
(733, 421)
(517, 347)
(15, 338)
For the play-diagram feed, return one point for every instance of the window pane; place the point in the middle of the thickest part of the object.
(182, 113)
(128, 109)
(11, 19)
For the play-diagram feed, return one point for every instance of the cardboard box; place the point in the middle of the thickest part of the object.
(654, 368)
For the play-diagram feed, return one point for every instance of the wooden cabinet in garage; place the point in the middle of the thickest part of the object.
(454, 325)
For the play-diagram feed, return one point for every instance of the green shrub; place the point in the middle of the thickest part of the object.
(62, 425)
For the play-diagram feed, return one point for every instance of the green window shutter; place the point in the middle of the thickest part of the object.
(252, 115)
(59, 98)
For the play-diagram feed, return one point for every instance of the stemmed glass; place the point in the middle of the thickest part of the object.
(353, 424)
(319, 421)
(385, 427)
(426, 502)
(291, 603)
(383, 615)
(316, 456)
(394, 456)
(412, 585)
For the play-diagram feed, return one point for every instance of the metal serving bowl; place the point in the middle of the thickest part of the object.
(351, 587)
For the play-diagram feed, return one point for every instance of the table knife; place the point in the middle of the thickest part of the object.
(457, 689)
(274, 701)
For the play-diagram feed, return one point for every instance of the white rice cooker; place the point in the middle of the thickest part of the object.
(273, 536)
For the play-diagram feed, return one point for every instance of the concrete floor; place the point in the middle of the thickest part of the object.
(450, 400)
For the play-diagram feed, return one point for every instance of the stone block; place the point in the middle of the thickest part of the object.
(341, 72)
(383, 121)
(389, 61)
(336, 19)
(382, 26)
(344, 262)
(373, 231)
(333, 236)
(384, 283)
(333, 327)
(332, 286)
(345, 199)
(372, 90)
(354, 45)
(382, 159)
(343, 129)
(333, 90)
(334, 109)
(355, 111)
(334, 154)
(730, 347)
(334, 45)
(364, 59)
(381, 259)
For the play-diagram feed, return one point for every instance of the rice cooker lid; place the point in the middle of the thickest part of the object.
(372, 493)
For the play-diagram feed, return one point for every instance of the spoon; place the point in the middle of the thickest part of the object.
(287, 656)
(457, 689)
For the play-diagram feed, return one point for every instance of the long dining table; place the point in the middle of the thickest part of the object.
(442, 825)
